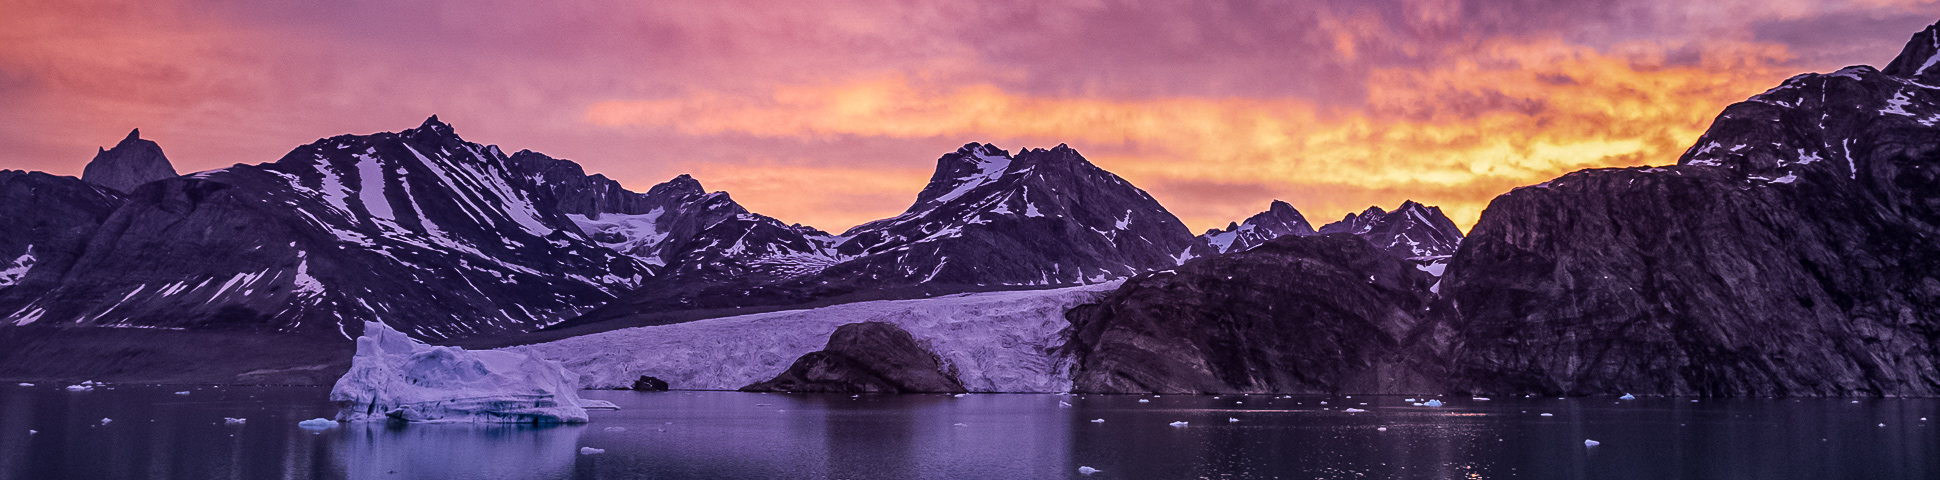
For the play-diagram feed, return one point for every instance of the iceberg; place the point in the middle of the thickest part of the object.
(1432, 403)
(1591, 443)
(591, 451)
(394, 377)
(317, 423)
(1179, 424)
(1084, 470)
(1627, 396)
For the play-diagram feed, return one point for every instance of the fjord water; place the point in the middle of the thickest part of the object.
(155, 433)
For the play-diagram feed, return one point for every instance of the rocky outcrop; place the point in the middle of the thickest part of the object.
(129, 164)
(866, 357)
(1313, 314)
(48, 222)
(1792, 251)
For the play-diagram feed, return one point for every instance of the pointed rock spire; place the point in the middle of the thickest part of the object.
(129, 164)
(1920, 59)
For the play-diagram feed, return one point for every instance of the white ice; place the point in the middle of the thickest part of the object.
(234, 421)
(996, 342)
(1627, 396)
(1084, 470)
(317, 423)
(396, 377)
(1179, 424)
(590, 451)
(1591, 443)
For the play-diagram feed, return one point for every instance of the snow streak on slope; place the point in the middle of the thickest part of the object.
(997, 342)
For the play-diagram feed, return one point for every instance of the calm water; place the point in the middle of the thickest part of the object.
(155, 433)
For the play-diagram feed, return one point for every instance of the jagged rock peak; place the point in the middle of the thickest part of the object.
(433, 128)
(681, 186)
(1411, 230)
(129, 164)
(1920, 60)
(1280, 219)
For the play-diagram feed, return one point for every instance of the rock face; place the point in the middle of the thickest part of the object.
(129, 164)
(1299, 314)
(986, 220)
(48, 222)
(1792, 251)
(419, 228)
(1280, 219)
(1412, 230)
(649, 384)
(866, 357)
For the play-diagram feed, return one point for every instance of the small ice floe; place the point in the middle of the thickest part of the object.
(960, 425)
(961, 395)
(1097, 420)
(1854, 401)
(234, 421)
(104, 421)
(1591, 443)
(26, 384)
(31, 432)
(1232, 420)
(1480, 399)
(615, 429)
(317, 423)
(1352, 410)
(1882, 424)
(1084, 470)
(1380, 429)
(1323, 402)
(1694, 401)
(1178, 424)
(591, 451)
(1144, 401)
(1549, 414)
(1627, 396)
(1432, 403)
(86, 388)
(1923, 419)
(184, 392)
(591, 404)
(1063, 404)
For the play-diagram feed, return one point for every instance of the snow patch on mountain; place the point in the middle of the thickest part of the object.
(996, 342)
(18, 269)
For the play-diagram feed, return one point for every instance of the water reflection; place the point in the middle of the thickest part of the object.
(155, 433)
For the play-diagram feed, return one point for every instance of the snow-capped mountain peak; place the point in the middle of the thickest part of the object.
(1412, 230)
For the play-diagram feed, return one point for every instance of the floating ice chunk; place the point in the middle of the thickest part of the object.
(1591, 443)
(86, 388)
(1084, 470)
(1627, 396)
(1432, 403)
(184, 392)
(317, 423)
(1142, 400)
(1882, 424)
(1239, 403)
(31, 432)
(104, 421)
(26, 384)
(1410, 400)
(961, 395)
(1232, 420)
(1323, 402)
(960, 425)
(1064, 404)
(1353, 410)
(1418, 404)
(591, 404)
(1854, 401)
(1480, 399)
(1178, 424)
(590, 451)
(234, 421)
(616, 429)
(1097, 420)
(396, 377)
(1549, 414)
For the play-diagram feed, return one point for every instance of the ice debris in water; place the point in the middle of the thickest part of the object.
(960, 395)
(1178, 424)
(234, 421)
(104, 421)
(1432, 403)
(31, 432)
(615, 429)
(1062, 404)
(1549, 414)
(26, 384)
(1480, 399)
(1144, 401)
(184, 392)
(396, 377)
(1097, 420)
(1591, 443)
(1084, 470)
(1232, 420)
(1352, 410)
(317, 423)
(1627, 396)
(590, 451)
(1380, 429)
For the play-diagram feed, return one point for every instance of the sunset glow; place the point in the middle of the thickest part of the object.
(831, 114)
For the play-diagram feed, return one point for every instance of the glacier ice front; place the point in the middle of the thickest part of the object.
(394, 377)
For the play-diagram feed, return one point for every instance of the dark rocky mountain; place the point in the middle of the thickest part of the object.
(1792, 251)
(48, 221)
(1280, 219)
(1412, 230)
(986, 220)
(428, 232)
(129, 164)
(865, 357)
(1299, 314)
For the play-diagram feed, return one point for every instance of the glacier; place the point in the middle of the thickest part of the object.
(395, 377)
(995, 342)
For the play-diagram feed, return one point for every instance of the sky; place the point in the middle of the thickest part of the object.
(834, 113)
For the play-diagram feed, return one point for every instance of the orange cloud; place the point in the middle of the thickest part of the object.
(1514, 113)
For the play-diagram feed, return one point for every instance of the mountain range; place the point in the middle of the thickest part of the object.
(1789, 251)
